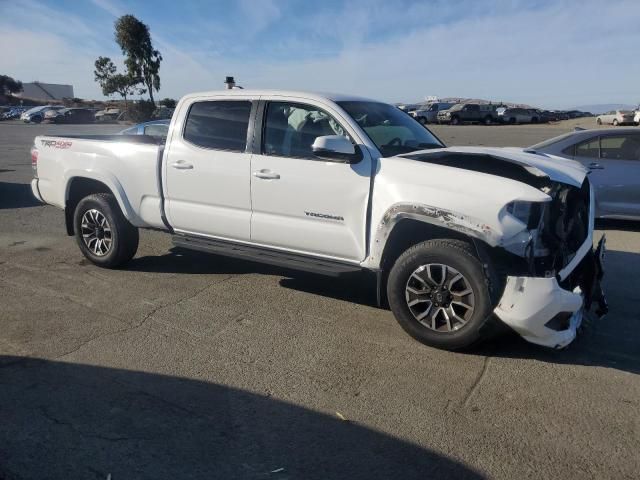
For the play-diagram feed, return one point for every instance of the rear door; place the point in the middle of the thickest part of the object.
(206, 169)
(300, 202)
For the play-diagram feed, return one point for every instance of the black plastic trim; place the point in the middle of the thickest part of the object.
(294, 261)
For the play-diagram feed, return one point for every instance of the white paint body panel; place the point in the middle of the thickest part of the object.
(127, 168)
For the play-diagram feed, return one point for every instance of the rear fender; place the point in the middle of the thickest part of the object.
(112, 184)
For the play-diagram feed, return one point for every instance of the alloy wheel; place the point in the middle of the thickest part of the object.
(96, 232)
(439, 297)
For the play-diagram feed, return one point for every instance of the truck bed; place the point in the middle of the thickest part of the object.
(127, 164)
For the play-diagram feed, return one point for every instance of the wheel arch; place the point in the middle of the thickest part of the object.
(406, 225)
(82, 185)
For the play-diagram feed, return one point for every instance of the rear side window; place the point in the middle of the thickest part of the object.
(219, 125)
(589, 149)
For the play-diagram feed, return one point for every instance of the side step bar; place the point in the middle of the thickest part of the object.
(265, 255)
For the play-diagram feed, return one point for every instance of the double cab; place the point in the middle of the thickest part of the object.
(458, 242)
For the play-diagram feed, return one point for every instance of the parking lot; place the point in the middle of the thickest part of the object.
(188, 365)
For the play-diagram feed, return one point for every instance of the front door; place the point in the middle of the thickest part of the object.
(207, 170)
(299, 201)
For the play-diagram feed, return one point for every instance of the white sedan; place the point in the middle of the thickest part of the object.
(620, 117)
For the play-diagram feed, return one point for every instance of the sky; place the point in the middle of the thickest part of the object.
(547, 53)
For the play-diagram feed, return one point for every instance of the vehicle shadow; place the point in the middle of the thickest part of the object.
(610, 342)
(16, 195)
(66, 420)
(355, 287)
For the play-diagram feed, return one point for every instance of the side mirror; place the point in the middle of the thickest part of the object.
(336, 148)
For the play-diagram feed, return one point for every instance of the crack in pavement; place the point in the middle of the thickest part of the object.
(145, 318)
(476, 385)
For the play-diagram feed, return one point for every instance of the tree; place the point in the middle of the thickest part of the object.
(112, 82)
(168, 102)
(8, 85)
(141, 59)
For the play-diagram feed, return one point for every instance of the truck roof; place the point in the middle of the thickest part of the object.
(335, 97)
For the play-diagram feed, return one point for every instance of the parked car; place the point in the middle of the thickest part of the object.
(429, 113)
(14, 113)
(339, 184)
(70, 115)
(619, 117)
(36, 114)
(468, 112)
(154, 128)
(613, 159)
(636, 117)
(107, 115)
(516, 115)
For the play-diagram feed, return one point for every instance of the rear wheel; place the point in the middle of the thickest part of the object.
(615, 122)
(488, 120)
(104, 235)
(599, 121)
(441, 296)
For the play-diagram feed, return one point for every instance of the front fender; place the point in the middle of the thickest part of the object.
(462, 224)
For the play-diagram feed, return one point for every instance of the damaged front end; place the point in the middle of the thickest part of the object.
(555, 278)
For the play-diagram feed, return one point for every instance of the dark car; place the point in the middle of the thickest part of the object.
(468, 112)
(72, 115)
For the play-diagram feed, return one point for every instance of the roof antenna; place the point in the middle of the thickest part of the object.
(230, 84)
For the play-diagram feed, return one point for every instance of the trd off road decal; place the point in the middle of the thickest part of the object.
(56, 143)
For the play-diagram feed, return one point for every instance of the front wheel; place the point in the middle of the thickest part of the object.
(104, 235)
(440, 294)
(599, 121)
(488, 120)
(455, 121)
(615, 122)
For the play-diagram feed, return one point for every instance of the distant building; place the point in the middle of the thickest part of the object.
(46, 91)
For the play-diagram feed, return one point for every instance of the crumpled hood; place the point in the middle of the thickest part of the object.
(538, 164)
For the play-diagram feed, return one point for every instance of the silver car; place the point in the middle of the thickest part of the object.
(619, 117)
(429, 113)
(613, 158)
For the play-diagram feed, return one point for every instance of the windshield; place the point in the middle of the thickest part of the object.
(392, 130)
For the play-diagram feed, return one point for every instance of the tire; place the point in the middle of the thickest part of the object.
(488, 120)
(615, 122)
(37, 119)
(512, 121)
(599, 122)
(459, 258)
(422, 120)
(122, 237)
(455, 121)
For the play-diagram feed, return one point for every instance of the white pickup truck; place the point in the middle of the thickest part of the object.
(461, 240)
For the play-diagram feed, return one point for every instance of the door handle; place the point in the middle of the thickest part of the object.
(595, 166)
(182, 165)
(266, 174)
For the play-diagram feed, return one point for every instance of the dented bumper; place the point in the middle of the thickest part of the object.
(546, 312)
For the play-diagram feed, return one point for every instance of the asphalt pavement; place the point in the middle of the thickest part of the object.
(188, 365)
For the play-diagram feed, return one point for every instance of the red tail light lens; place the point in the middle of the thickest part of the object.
(34, 160)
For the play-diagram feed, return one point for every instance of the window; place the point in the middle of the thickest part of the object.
(472, 108)
(620, 147)
(220, 125)
(391, 131)
(589, 149)
(291, 128)
(157, 129)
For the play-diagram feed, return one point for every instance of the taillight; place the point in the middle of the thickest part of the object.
(34, 161)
